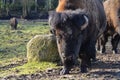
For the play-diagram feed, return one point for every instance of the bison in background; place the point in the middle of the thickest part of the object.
(13, 23)
(112, 10)
(77, 31)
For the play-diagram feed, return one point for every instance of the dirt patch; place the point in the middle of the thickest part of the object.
(106, 68)
(14, 64)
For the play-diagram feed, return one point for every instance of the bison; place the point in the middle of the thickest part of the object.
(77, 24)
(13, 23)
(112, 10)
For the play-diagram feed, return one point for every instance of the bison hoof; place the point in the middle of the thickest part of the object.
(115, 52)
(64, 71)
(83, 69)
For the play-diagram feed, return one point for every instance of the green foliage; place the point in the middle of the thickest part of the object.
(54, 4)
(50, 4)
(1, 5)
(25, 7)
(16, 6)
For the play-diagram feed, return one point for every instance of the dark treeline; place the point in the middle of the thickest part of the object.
(29, 9)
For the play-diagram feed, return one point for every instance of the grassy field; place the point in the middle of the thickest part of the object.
(13, 47)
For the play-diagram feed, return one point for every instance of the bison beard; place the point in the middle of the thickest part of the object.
(77, 31)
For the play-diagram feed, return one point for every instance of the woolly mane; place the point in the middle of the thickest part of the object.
(94, 9)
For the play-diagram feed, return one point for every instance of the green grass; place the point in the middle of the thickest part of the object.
(28, 68)
(34, 67)
(13, 46)
(13, 43)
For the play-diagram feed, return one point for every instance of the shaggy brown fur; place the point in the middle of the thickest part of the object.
(13, 23)
(91, 7)
(112, 10)
(95, 18)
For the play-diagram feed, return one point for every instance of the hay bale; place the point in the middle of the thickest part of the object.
(42, 48)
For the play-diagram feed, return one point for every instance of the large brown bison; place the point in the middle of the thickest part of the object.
(13, 23)
(76, 31)
(112, 10)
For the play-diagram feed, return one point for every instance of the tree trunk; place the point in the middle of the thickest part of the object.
(25, 8)
(35, 5)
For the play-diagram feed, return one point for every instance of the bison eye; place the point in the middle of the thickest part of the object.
(59, 37)
(52, 31)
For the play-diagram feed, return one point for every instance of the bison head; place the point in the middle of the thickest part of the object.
(68, 27)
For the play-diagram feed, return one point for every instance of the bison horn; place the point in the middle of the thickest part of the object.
(86, 23)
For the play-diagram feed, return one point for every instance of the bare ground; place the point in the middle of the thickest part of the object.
(106, 68)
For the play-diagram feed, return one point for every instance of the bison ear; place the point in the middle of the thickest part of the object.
(52, 31)
(80, 20)
(54, 18)
(85, 23)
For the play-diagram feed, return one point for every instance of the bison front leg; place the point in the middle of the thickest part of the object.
(114, 42)
(101, 42)
(83, 66)
(88, 53)
(98, 44)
